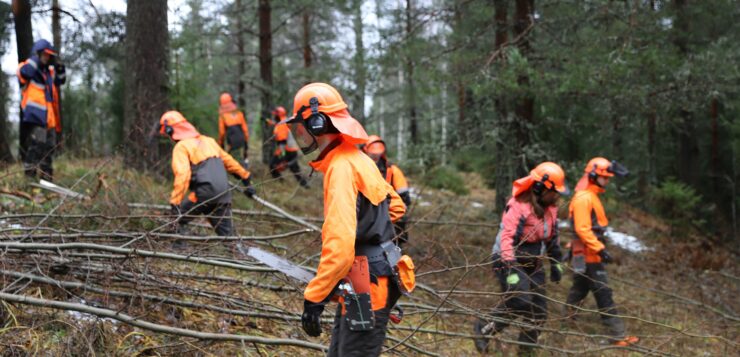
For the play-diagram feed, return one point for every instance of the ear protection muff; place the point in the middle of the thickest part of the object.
(168, 129)
(592, 176)
(539, 187)
(317, 124)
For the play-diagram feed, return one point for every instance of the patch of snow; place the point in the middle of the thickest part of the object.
(85, 317)
(414, 193)
(477, 204)
(425, 204)
(625, 241)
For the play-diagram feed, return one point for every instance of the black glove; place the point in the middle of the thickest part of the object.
(311, 318)
(60, 68)
(556, 272)
(605, 257)
(248, 188)
(175, 210)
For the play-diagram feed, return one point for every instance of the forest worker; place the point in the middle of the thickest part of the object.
(588, 250)
(529, 227)
(357, 253)
(233, 128)
(39, 77)
(286, 150)
(375, 148)
(200, 165)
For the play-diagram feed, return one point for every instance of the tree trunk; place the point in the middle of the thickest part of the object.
(147, 41)
(5, 153)
(240, 48)
(503, 177)
(307, 55)
(714, 151)
(265, 58)
(24, 43)
(687, 139)
(56, 31)
(358, 109)
(524, 108)
(410, 86)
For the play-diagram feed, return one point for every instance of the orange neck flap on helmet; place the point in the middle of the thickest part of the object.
(226, 103)
(522, 185)
(585, 183)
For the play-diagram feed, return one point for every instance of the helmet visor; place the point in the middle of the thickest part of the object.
(618, 169)
(305, 140)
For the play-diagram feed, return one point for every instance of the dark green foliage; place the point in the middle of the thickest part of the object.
(446, 178)
(680, 204)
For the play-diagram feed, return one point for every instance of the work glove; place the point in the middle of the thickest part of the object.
(556, 272)
(311, 318)
(249, 190)
(605, 257)
(60, 68)
(512, 277)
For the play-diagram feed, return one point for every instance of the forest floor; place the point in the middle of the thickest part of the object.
(679, 296)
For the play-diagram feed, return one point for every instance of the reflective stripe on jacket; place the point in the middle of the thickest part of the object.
(357, 206)
(39, 96)
(194, 169)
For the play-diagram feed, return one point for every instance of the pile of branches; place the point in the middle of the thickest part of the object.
(106, 271)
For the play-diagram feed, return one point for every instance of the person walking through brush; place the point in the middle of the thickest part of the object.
(588, 249)
(359, 260)
(375, 148)
(286, 151)
(39, 77)
(200, 166)
(529, 227)
(233, 128)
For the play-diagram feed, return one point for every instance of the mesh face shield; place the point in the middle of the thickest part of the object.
(303, 137)
(618, 169)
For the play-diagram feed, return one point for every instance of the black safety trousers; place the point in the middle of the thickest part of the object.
(595, 280)
(525, 299)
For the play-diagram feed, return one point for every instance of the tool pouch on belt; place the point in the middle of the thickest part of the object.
(358, 308)
(578, 256)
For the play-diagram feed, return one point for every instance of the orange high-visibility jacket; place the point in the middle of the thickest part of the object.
(40, 105)
(231, 121)
(284, 139)
(190, 153)
(397, 179)
(589, 222)
(355, 197)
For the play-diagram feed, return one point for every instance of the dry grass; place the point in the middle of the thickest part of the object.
(675, 307)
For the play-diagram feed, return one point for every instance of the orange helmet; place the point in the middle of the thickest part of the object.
(320, 101)
(551, 176)
(174, 125)
(547, 175)
(375, 145)
(226, 103)
(600, 166)
(225, 98)
(280, 112)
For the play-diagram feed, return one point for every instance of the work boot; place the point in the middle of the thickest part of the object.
(481, 342)
(616, 329)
